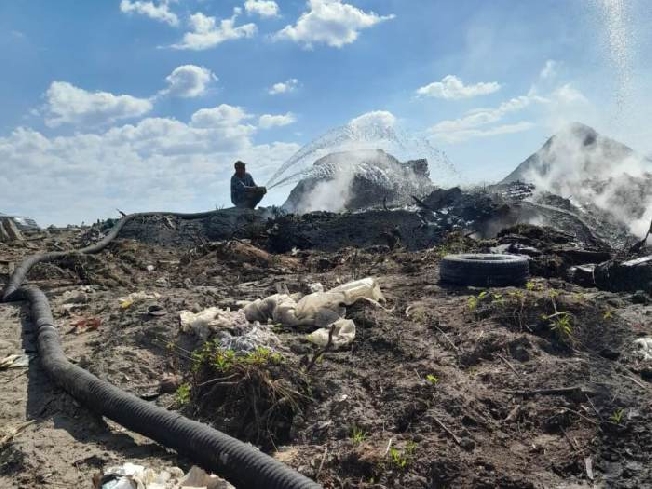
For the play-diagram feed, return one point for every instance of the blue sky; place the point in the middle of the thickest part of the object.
(144, 105)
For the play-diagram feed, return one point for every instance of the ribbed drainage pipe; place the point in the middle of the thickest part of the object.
(241, 464)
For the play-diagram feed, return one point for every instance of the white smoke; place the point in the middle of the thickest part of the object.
(587, 168)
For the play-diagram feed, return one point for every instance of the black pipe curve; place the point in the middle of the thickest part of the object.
(241, 464)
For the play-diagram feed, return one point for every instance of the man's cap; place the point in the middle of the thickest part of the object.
(239, 164)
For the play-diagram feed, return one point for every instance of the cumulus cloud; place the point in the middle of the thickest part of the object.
(67, 104)
(381, 118)
(330, 22)
(452, 88)
(284, 87)
(154, 164)
(160, 11)
(206, 33)
(267, 121)
(221, 116)
(189, 81)
(264, 8)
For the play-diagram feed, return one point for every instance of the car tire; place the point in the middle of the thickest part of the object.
(484, 270)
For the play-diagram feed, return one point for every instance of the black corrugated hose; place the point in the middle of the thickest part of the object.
(241, 464)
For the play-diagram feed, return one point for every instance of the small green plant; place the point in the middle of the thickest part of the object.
(473, 301)
(560, 323)
(433, 379)
(617, 416)
(401, 458)
(358, 435)
(530, 286)
(607, 315)
(497, 299)
(182, 395)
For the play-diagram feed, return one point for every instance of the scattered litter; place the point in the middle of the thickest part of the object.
(156, 310)
(150, 268)
(133, 476)
(131, 299)
(11, 432)
(643, 347)
(15, 361)
(260, 336)
(84, 325)
(318, 309)
(343, 334)
(210, 320)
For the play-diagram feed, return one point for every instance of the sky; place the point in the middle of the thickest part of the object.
(145, 105)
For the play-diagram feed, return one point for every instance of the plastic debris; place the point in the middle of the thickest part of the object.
(85, 324)
(15, 361)
(318, 309)
(343, 334)
(133, 476)
(210, 320)
(260, 336)
(643, 348)
(134, 297)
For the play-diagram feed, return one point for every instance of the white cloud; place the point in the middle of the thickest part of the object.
(160, 12)
(267, 120)
(452, 88)
(549, 70)
(459, 136)
(189, 81)
(66, 103)
(284, 87)
(564, 104)
(264, 8)
(221, 116)
(481, 117)
(206, 33)
(331, 22)
(154, 164)
(382, 118)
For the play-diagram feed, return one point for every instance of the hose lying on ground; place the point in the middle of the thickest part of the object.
(240, 463)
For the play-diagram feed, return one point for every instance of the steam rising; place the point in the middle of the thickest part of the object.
(579, 164)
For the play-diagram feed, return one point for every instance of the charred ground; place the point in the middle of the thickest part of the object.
(536, 386)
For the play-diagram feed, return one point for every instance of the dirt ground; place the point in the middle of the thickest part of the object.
(442, 387)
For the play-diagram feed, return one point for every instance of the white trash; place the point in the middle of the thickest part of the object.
(643, 348)
(204, 323)
(319, 309)
(343, 334)
(133, 476)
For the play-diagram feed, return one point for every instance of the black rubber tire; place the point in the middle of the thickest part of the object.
(484, 270)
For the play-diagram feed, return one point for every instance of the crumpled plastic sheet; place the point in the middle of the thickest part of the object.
(210, 320)
(133, 476)
(319, 309)
(343, 334)
(643, 348)
(260, 336)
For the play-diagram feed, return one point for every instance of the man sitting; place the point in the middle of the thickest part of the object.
(244, 191)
